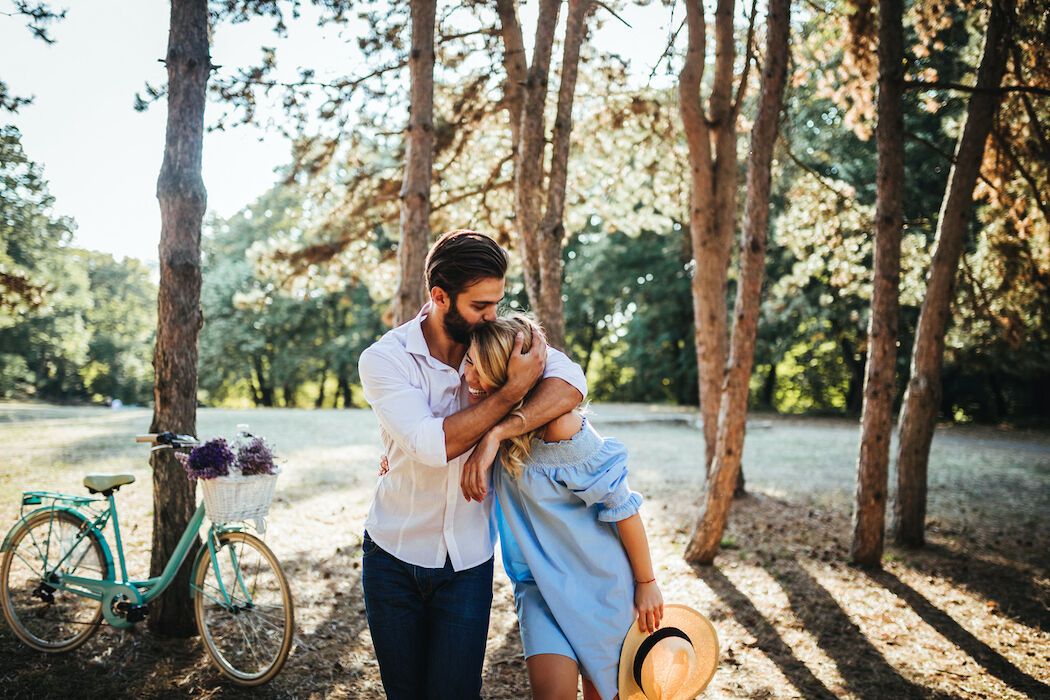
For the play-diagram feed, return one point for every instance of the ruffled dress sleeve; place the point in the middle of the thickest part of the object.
(601, 483)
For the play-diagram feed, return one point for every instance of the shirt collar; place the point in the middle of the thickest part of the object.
(416, 344)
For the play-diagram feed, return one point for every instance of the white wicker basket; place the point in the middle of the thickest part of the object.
(237, 497)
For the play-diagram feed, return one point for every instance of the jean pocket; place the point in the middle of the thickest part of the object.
(368, 547)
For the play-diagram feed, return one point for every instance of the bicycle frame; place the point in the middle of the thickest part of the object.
(120, 589)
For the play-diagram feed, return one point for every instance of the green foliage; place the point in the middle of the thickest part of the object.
(30, 236)
(265, 344)
(295, 283)
(122, 322)
(76, 324)
(628, 315)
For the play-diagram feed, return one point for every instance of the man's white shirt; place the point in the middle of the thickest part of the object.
(418, 513)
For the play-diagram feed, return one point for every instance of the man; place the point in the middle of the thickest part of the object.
(427, 572)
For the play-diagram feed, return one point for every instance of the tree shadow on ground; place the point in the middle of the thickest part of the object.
(863, 668)
(111, 664)
(951, 630)
(784, 538)
(1006, 583)
(766, 636)
(505, 666)
(336, 652)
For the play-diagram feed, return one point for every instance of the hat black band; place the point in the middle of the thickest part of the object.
(645, 647)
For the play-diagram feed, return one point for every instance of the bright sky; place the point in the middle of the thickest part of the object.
(101, 157)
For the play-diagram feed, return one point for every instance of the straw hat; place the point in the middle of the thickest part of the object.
(676, 662)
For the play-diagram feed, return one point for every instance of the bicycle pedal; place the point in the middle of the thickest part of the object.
(131, 612)
(45, 593)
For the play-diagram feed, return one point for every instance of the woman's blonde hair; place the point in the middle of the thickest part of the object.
(491, 346)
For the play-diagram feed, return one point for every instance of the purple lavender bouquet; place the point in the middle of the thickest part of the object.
(255, 457)
(209, 460)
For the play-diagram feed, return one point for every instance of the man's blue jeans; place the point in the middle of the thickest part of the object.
(428, 626)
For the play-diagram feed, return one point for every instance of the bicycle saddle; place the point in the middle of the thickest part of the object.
(98, 483)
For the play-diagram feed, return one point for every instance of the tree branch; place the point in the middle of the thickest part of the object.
(1004, 147)
(915, 84)
(612, 12)
(821, 180)
(947, 156)
(668, 50)
(749, 55)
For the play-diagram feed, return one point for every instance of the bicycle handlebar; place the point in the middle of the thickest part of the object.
(166, 440)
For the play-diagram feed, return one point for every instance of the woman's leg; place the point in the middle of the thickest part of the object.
(552, 677)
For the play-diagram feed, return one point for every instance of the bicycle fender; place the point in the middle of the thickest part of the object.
(76, 514)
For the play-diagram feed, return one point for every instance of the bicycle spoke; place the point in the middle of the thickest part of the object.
(45, 615)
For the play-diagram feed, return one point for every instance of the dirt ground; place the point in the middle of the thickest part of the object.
(968, 616)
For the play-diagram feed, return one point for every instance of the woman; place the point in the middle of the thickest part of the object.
(573, 542)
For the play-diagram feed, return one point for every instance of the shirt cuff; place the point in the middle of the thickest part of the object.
(429, 443)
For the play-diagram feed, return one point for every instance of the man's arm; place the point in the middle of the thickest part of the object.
(464, 428)
(405, 413)
(554, 396)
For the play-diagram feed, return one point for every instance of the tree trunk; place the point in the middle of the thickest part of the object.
(182, 197)
(769, 385)
(855, 388)
(419, 160)
(551, 233)
(515, 66)
(919, 412)
(265, 393)
(319, 403)
(529, 171)
(344, 391)
(712, 200)
(725, 471)
(876, 413)
(541, 231)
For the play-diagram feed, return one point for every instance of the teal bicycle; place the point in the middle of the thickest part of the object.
(58, 582)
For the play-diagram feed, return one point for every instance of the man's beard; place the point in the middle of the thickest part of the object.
(457, 327)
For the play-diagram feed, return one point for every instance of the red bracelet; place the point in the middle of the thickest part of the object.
(649, 581)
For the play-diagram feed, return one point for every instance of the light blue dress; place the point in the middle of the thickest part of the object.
(573, 584)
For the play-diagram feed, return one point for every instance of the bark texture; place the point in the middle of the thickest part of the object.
(869, 508)
(922, 399)
(180, 191)
(551, 232)
(539, 196)
(419, 161)
(529, 172)
(732, 419)
(711, 139)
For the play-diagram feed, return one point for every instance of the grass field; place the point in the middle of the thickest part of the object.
(968, 616)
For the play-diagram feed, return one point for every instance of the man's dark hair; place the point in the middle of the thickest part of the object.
(462, 257)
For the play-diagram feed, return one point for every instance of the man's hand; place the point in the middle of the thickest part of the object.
(525, 369)
(474, 479)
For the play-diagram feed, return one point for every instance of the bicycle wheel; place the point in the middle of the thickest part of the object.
(43, 616)
(243, 608)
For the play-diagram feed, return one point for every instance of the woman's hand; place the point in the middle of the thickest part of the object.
(473, 482)
(649, 604)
